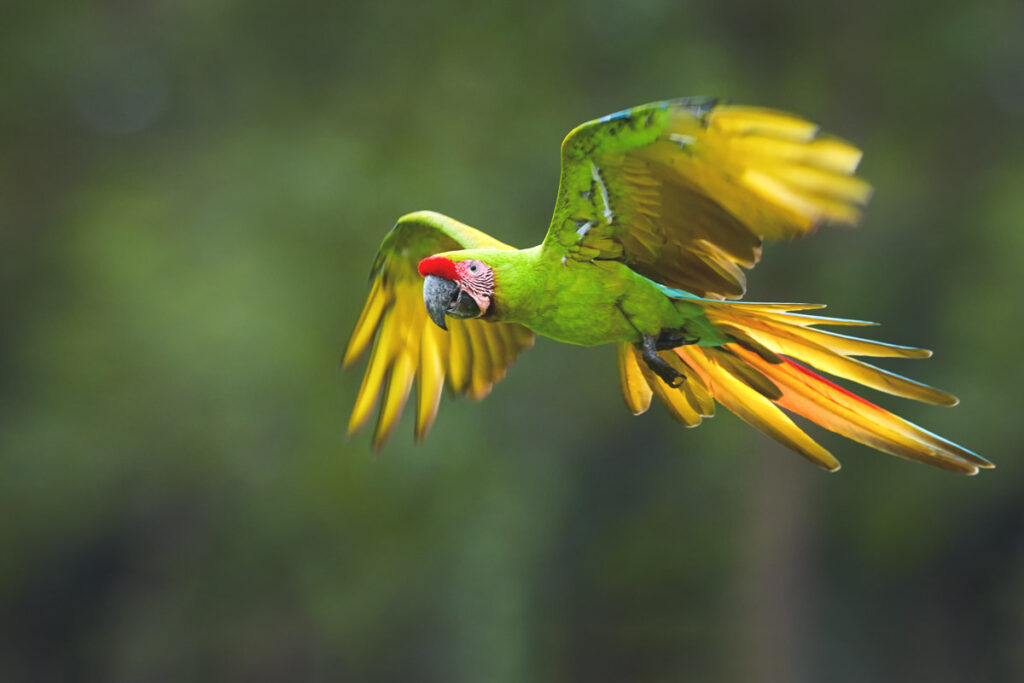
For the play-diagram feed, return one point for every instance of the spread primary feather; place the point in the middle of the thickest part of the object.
(659, 211)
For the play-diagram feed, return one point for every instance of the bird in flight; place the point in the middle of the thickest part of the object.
(659, 209)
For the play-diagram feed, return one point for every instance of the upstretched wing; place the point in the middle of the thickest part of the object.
(685, 191)
(471, 356)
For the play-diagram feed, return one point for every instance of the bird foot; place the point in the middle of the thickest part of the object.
(670, 339)
(649, 351)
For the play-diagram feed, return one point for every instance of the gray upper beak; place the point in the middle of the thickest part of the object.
(439, 295)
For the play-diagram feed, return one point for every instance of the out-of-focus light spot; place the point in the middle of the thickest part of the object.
(120, 90)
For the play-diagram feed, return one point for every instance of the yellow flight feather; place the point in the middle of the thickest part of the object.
(673, 399)
(430, 383)
(725, 359)
(693, 388)
(380, 360)
(826, 184)
(844, 413)
(496, 351)
(799, 326)
(399, 383)
(635, 389)
(483, 365)
(741, 120)
(791, 342)
(753, 408)
(460, 357)
(376, 303)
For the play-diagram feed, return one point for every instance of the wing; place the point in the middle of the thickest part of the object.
(472, 355)
(685, 191)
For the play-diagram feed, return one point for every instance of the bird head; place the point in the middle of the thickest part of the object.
(461, 289)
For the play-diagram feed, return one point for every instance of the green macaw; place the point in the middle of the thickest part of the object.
(658, 209)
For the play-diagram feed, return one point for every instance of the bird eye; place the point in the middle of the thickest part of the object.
(472, 267)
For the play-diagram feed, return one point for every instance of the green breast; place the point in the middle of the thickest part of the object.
(587, 303)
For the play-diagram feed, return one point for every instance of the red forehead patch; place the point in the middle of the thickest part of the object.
(439, 266)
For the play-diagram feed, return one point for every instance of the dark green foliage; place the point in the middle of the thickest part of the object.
(190, 197)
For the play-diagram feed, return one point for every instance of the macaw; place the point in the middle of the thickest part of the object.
(659, 209)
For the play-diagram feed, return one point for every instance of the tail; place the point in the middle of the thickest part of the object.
(765, 371)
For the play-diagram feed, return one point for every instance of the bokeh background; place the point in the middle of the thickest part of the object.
(191, 194)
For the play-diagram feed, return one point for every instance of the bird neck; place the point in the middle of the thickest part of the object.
(518, 275)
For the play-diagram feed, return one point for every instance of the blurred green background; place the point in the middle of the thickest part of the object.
(191, 194)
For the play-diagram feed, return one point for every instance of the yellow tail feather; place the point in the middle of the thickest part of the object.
(831, 352)
(753, 408)
(636, 390)
(763, 373)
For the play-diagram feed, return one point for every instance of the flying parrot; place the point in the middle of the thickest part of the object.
(659, 209)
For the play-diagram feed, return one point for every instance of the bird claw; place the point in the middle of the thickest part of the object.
(673, 378)
(658, 365)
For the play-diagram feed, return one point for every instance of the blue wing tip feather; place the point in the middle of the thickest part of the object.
(697, 105)
(624, 114)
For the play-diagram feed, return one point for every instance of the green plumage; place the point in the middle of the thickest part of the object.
(660, 208)
(587, 303)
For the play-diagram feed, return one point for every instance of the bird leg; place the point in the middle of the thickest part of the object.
(650, 345)
(670, 339)
(649, 348)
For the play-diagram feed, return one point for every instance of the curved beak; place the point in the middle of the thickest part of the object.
(445, 297)
(439, 295)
